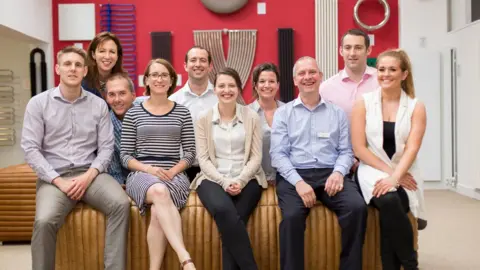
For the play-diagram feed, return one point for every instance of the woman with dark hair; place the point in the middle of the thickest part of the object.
(152, 135)
(265, 82)
(105, 57)
(229, 147)
(387, 132)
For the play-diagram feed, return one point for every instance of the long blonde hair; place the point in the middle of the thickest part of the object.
(405, 65)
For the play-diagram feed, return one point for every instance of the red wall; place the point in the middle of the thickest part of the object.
(371, 13)
(183, 16)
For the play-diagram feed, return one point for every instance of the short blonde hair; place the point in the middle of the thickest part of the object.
(72, 49)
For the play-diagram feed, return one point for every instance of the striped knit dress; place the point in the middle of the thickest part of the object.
(156, 140)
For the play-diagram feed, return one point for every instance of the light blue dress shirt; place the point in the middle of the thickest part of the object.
(307, 139)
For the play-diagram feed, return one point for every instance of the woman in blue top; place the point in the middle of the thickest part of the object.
(105, 57)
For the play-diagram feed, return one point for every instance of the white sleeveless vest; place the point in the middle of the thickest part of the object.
(368, 175)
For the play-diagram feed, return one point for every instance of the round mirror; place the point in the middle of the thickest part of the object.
(224, 6)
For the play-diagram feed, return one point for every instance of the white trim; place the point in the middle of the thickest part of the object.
(326, 36)
(434, 185)
(468, 191)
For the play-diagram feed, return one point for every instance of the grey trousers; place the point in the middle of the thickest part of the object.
(52, 206)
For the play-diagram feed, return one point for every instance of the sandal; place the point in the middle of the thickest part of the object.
(185, 263)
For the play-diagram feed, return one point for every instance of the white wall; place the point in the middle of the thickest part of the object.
(461, 13)
(30, 17)
(428, 34)
(467, 43)
(24, 25)
(15, 55)
(421, 40)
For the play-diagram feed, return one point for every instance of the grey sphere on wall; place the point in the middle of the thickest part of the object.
(224, 6)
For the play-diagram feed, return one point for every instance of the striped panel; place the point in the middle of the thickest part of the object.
(17, 203)
(326, 36)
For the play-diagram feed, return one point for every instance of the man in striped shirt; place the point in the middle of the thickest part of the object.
(120, 96)
(68, 141)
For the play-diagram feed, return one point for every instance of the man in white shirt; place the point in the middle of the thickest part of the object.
(197, 93)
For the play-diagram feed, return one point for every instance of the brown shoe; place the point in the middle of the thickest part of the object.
(421, 223)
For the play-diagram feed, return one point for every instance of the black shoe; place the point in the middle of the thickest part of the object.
(422, 224)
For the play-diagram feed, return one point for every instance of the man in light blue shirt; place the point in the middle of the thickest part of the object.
(311, 150)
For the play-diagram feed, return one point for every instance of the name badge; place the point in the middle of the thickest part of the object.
(323, 134)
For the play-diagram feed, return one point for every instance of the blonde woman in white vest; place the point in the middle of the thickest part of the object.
(387, 132)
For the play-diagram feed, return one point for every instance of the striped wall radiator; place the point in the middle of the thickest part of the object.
(326, 36)
(120, 19)
(241, 51)
(285, 63)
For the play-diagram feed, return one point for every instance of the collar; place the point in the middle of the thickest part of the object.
(58, 94)
(189, 91)
(255, 106)
(298, 101)
(369, 71)
(112, 113)
(238, 114)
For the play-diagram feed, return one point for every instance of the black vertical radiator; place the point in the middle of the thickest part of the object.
(33, 71)
(162, 45)
(285, 63)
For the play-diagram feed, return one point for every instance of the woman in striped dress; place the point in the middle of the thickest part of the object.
(152, 135)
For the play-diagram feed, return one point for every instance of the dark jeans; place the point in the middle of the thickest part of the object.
(231, 215)
(348, 205)
(396, 231)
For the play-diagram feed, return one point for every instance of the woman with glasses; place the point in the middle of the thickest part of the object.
(153, 134)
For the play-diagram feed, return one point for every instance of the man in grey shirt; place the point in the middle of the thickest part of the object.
(68, 141)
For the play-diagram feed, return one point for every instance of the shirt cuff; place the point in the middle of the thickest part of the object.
(50, 175)
(294, 178)
(97, 165)
(341, 170)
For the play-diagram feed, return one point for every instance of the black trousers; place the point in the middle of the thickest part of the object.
(192, 172)
(348, 205)
(396, 231)
(231, 215)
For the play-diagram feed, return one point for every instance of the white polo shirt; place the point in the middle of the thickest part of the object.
(195, 103)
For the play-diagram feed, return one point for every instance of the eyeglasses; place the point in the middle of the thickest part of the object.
(155, 76)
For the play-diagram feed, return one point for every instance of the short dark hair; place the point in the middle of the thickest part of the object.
(169, 67)
(232, 73)
(267, 66)
(201, 48)
(360, 33)
(121, 75)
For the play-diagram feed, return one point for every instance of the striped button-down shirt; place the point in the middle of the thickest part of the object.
(59, 135)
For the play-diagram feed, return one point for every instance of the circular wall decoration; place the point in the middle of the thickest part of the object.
(386, 16)
(224, 6)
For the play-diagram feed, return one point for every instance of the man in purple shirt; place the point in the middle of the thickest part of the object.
(68, 141)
